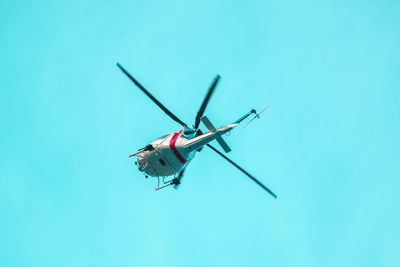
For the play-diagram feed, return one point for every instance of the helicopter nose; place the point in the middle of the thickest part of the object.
(141, 163)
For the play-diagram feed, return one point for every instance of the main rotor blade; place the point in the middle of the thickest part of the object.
(241, 169)
(205, 101)
(158, 103)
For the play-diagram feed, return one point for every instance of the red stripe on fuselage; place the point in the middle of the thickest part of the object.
(172, 146)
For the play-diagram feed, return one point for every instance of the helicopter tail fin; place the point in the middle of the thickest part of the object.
(219, 139)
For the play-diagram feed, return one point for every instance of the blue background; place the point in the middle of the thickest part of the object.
(328, 146)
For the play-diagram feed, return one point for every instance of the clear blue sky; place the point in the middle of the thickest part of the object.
(329, 145)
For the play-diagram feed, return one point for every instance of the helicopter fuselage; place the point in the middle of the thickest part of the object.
(170, 154)
(165, 156)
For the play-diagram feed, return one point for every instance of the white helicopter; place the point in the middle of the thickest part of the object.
(169, 155)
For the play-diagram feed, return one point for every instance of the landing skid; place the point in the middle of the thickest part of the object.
(174, 181)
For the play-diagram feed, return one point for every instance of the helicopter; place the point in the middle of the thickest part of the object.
(169, 155)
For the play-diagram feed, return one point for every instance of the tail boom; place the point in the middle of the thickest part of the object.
(213, 134)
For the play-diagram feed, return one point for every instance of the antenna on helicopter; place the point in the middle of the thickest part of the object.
(257, 115)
